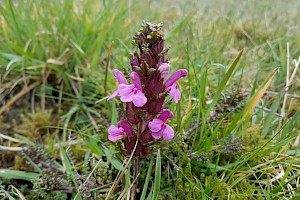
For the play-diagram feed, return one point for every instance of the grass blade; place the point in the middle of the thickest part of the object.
(15, 174)
(157, 178)
(223, 83)
(258, 96)
(147, 179)
(66, 162)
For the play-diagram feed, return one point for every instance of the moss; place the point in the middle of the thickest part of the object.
(35, 125)
(185, 182)
(217, 188)
(253, 139)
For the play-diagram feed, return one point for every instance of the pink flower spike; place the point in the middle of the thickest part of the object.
(135, 79)
(123, 130)
(164, 69)
(165, 115)
(175, 93)
(120, 77)
(175, 76)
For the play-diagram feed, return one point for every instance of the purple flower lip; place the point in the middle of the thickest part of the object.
(123, 130)
(120, 77)
(159, 128)
(129, 93)
(121, 80)
(175, 76)
(133, 93)
(171, 86)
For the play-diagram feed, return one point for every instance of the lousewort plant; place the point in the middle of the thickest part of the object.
(146, 120)
(145, 94)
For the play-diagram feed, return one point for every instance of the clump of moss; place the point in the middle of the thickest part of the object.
(245, 190)
(252, 138)
(35, 125)
(217, 188)
(185, 182)
(103, 172)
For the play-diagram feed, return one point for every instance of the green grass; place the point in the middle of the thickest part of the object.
(237, 130)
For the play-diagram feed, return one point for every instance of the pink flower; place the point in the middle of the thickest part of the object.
(170, 84)
(133, 93)
(159, 128)
(123, 130)
(129, 93)
(121, 79)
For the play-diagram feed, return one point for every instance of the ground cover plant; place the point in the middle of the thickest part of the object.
(228, 129)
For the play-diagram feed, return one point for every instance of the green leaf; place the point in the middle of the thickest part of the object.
(15, 174)
(147, 179)
(66, 162)
(157, 179)
(115, 162)
(94, 146)
(67, 118)
(223, 83)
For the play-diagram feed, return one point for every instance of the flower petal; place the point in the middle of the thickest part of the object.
(165, 115)
(115, 130)
(126, 126)
(157, 135)
(115, 133)
(116, 93)
(126, 98)
(175, 93)
(168, 133)
(114, 138)
(124, 89)
(164, 69)
(139, 99)
(120, 77)
(175, 76)
(155, 125)
(135, 79)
